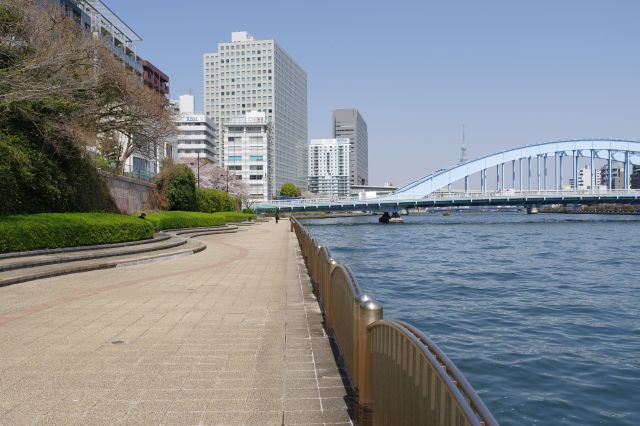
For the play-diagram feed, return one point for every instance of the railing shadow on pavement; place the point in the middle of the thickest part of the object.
(399, 376)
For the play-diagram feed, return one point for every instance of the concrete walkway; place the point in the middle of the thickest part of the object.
(231, 335)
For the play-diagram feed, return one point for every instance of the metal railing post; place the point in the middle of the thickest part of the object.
(315, 266)
(370, 312)
(328, 304)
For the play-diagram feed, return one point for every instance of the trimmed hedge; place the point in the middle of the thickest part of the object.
(177, 219)
(55, 230)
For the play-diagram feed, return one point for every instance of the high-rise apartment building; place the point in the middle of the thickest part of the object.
(329, 167)
(249, 145)
(348, 123)
(258, 75)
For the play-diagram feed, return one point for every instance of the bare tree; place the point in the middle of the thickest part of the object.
(70, 87)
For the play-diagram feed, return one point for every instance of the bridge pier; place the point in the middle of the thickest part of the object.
(593, 172)
(561, 171)
(610, 165)
(545, 172)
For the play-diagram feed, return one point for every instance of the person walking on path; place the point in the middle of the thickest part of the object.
(277, 217)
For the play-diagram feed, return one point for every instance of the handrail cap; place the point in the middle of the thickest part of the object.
(371, 305)
(364, 297)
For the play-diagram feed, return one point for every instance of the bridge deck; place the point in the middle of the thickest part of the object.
(392, 203)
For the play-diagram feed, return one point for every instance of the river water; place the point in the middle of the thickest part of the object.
(541, 313)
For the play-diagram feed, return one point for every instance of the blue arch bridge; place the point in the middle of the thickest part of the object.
(535, 175)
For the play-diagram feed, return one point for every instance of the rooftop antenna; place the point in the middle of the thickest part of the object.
(463, 149)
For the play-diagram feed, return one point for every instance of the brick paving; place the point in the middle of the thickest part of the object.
(232, 335)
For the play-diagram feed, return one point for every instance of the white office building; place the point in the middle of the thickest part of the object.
(258, 75)
(196, 133)
(584, 179)
(329, 167)
(248, 142)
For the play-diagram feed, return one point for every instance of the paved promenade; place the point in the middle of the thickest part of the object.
(231, 335)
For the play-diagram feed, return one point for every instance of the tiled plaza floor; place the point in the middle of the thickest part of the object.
(231, 335)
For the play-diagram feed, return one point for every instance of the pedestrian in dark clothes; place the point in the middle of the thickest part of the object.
(277, 217)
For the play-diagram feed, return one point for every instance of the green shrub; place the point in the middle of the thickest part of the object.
(248, 211)
(35, 177)
(177, 219)
(178, 184)
(54, 230)
(212, 201)
(289, 190)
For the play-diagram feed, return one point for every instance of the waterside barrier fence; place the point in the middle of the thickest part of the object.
(399, 376)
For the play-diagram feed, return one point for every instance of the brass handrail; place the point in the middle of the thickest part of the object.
(392, 366)
(456, 376)
(411, 385)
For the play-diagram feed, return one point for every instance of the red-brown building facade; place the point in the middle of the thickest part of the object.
(154, 78)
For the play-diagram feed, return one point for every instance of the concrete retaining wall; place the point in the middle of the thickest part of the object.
(129, 194)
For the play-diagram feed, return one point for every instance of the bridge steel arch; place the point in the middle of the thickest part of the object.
(626, 151)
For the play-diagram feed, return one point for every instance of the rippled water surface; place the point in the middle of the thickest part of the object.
(541, 313)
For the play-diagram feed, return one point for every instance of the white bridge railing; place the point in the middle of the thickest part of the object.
(453, 195)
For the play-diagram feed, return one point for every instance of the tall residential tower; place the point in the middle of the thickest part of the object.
(329, 167)
(348, 123)
(248, 75)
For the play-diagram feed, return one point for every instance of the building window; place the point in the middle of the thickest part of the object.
(235, 158)
(256, 158)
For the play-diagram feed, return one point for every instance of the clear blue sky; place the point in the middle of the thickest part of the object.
(514, 72)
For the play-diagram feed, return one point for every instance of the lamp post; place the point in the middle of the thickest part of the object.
(198, 169)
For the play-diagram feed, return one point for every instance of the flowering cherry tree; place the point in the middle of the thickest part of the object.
(216, 177)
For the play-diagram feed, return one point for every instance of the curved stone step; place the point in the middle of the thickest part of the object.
(210, 229)
(156, 238)
(53, 270)
(98, 253)
(50, 263)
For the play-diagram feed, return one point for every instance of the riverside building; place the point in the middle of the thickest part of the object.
(329, 167)
(258, 75)
(248, 142)
(617, 177)
(196, 133)
(95, 17)
(106, 26)
(584, 179)
(348, 123)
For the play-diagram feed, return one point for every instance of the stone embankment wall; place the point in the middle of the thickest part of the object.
(129, 194)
